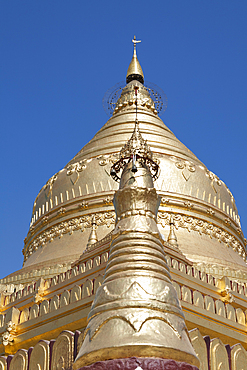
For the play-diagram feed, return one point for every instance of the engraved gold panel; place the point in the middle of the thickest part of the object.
(238, 358)
(200, 348)
(40, 356)
(218, 356)
(62, 352)
(19, 361)
(3, 363)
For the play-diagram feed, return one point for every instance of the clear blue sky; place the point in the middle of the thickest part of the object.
(59, 57)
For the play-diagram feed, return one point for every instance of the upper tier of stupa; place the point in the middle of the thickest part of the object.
(203, 208)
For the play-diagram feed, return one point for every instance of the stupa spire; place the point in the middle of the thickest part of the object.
(136, 312)
(172, 239)
(93, 235)
(135, 70)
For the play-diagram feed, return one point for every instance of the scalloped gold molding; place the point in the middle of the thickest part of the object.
(108, 219)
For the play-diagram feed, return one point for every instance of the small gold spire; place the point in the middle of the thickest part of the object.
(136, 311)
(172, 239)
(93, 235)
(135, 70)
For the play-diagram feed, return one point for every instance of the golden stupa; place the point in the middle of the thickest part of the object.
(163, 249)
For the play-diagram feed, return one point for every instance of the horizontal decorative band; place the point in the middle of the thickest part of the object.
(136, 212)
(139, 363)
(108, 219)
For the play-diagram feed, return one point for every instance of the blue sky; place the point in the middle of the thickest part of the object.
(58, 58)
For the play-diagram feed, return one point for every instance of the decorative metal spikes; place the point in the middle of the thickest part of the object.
(136, 149)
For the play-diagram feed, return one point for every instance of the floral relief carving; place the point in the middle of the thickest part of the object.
(165, 200)
(186, 167)
(188, 205)
(106, 159)
(45, 220)
(227, 296)
(61, 211)
(139, 363)
(83, 205)
(74, 169)
(38, 297)
(108, 200)
(8, 336)
(210, 211)
(239, 230)
(108, 219)
(228, 221)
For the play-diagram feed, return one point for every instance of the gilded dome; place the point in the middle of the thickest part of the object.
(203, 208)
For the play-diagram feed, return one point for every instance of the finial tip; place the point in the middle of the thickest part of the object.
(135, 70)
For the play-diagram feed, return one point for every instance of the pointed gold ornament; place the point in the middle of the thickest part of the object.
(93, 235)
(135, 70)
(172, 239)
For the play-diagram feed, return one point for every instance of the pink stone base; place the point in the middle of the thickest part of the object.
(145, 363)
